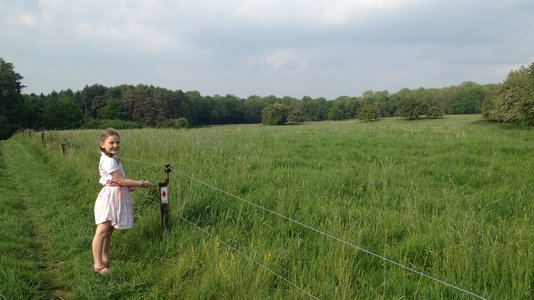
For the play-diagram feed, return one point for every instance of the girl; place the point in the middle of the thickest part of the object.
(113, 206)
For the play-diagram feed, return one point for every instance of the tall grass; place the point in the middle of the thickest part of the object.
(448, 197)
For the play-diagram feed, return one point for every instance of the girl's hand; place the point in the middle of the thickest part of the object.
(146, 184)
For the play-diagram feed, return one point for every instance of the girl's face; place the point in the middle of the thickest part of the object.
(111, 144)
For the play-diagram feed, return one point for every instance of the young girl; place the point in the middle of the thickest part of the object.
(113, 206)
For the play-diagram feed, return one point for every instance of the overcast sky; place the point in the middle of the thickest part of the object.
(317, 48)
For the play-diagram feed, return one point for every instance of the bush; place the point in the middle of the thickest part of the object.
(368, 113)
(515, 101)
(175, 123)
(435, 112)
(281, 114)
(294, 117)
(412, 108)
(275, 114)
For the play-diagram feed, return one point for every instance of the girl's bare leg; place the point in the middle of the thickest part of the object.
(102, 231)
(105, 247)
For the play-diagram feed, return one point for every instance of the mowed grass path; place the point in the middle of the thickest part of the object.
(21, 258)
(450, 198)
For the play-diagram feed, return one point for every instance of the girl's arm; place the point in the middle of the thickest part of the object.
(118, 178)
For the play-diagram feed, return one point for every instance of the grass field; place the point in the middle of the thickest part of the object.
(450, 198)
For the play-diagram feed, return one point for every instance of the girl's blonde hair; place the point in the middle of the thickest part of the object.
(104, 135)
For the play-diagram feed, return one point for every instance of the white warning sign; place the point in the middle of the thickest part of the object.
(164, 194)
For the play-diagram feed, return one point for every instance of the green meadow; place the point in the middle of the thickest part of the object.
(393, 209)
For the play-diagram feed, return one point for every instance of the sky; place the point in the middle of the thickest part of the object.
(296, 48)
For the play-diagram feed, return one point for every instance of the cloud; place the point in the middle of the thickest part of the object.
(27, 20)
(317, 48)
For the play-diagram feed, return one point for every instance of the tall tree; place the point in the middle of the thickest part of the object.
(252, 109)
(86, 97)
(112, 110)
(315, 109)
(147, 105)
(227, 110)
(344, 108)
(200, 108)
(176, 105)
(11, 99)
(62, 112)
(467, 98)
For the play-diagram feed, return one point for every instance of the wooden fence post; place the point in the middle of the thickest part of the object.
(164, 200)
(64, 147)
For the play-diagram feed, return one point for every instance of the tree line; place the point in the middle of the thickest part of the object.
(127, 106)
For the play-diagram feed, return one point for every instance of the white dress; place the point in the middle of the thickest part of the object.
(114, 202)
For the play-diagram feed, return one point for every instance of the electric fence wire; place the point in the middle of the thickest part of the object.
(402, 266)
(249, 258)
